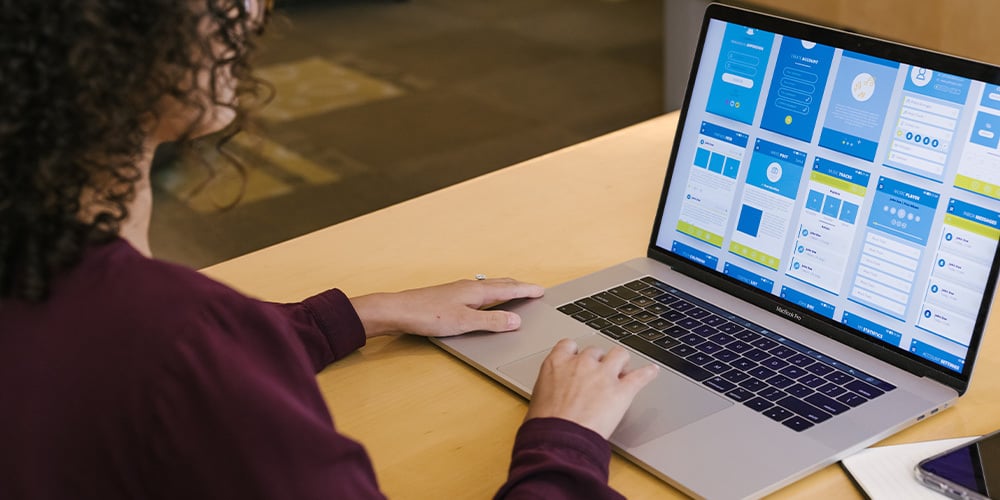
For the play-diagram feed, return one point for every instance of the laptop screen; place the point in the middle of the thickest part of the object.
(859, 188)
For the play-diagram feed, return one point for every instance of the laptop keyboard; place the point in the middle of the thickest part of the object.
(771, 374)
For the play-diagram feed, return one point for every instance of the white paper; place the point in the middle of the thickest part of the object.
(886, 472)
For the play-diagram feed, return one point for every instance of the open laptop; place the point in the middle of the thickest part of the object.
(820, 268)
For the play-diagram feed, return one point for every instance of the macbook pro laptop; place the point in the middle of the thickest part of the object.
(820, 268)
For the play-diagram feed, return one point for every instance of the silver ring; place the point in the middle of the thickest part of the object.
(480, 277)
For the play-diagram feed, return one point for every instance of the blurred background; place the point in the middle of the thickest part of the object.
(380, 101)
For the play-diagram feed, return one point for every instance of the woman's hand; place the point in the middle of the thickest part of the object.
(588, 387)
(444, 310)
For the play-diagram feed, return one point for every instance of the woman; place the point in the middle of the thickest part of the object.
(126, 377)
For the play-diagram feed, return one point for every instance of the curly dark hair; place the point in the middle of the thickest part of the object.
(80, 86)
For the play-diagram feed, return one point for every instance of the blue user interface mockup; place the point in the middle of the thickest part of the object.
(862, 189)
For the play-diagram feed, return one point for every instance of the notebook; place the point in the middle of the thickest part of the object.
(821, 265)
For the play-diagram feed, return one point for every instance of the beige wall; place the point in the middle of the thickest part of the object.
(969, 28)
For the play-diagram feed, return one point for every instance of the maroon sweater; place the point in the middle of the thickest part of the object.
(142, 379)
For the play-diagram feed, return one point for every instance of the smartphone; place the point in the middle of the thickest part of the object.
(971, 470)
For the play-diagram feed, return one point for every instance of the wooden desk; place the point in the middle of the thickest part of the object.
(437, 428)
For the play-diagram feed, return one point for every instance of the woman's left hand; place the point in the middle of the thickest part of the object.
(444, 310)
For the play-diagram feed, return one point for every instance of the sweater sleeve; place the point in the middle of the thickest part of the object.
(327, 326)
(555, 459)
(236, 411)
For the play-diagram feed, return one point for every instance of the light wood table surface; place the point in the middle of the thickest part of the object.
(436, 428)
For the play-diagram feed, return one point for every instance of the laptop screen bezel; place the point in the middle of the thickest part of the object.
(866, 45)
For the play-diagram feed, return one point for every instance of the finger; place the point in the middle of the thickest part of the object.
(616, 359)
(565, 348)
(640, 377)
(490, 321)
(492, 292)
(593, 352)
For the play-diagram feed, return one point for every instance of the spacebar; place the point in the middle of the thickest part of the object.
(667, 358)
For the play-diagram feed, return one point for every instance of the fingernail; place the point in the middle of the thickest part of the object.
(513, 321)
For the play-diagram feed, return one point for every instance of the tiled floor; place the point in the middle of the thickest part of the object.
(381, 101)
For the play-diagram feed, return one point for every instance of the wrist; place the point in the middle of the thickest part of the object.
(376, 314)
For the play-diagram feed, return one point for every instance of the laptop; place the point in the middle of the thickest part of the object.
(821, 265)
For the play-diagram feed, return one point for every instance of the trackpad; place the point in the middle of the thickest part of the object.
(665, 405)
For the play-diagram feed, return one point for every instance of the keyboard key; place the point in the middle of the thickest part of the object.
(689, 323)
(634, 327)
(673, 315)
(615, 332)
(752, 384)
(813, 381)
(644, 316)
(721, 338)
(705, 330)
(759, 404)
(864, 389)
(824, 403)
(676, 332)
(819, 368)
(757, 355)
(682, 305)
(619, 319)
(735, 376)
(665, 300)
(699, 358)
(792, 371)
(780, 381)
(716, 367)
(745, 335)
(714, 320)
(698, 312)
(636, 285)
(720, 384)
(764, 343)
(851, 399)
(650, 292)
(782, 352)
(667, 342)
(651, 335)
(772, 393)
(667, 358)
(726, 355)
(629, 309)
(743, 364)
(643, 301)
(599, 323)
(623, 293)
(797, 424)
(683, 350)
(732, 329)
(657, 309)
(569, 309)
(692, 339)
(609, 300)
(798, 390)
(800, 360)
(831, 389)
(839, 378)
(772, 362)
(659, 324)
(709, 347)
(803, 409)
(777, 413)
(739, 346)
(649, 280)
(739, 394)
(595, 307)
(761, 372)
(584, 316)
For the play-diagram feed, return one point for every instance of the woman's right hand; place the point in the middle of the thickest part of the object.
(588, 387)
